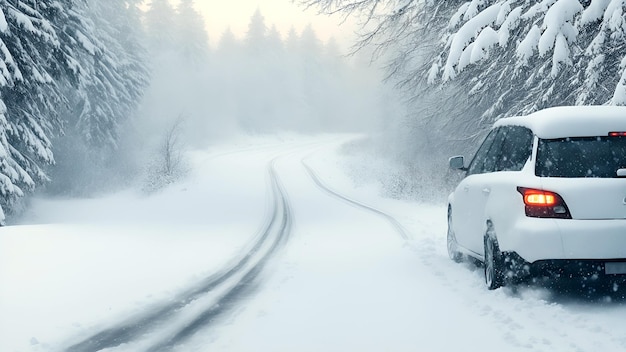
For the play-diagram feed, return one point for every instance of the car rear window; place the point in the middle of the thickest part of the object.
(581, 157)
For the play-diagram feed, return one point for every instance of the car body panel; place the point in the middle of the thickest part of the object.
(533, 239)
(468, 213)
(591, 198)
(593, 239)
(570, 121)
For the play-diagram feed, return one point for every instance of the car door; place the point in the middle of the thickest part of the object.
(503, 198)
(469, 198)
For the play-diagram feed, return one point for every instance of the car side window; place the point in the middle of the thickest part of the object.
(495, 151)
(477, 165)
(515, 149)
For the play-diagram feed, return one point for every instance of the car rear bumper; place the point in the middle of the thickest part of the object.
(535, 239)
(517, 267)
(578, 268)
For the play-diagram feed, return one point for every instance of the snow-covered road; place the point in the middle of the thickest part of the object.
(269, 246)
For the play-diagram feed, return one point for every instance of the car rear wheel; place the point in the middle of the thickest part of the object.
(453, 251)
(494, 277)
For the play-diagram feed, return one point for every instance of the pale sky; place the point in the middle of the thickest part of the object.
(221, 14)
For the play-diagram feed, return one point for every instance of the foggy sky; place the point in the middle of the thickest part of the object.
(219, 15)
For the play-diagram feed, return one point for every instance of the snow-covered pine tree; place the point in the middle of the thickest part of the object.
(314, 78)
(253, 97)
(104, 38)
(33, 65)
(337, 107)
(124, 38)
(278, 77)
(114, 71)
(310, 45)
(551, 52)
(257, 33)
(53, 56)
(274, 43)
(191, 36)
(292, 41)
(160, 23)
(515, 56)
(228, 44)
(225, 64)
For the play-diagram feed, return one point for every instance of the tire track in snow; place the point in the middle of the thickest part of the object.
(235, 280)
(280, 228)
(323, 186)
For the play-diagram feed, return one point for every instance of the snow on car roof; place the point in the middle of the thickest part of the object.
(571, 121)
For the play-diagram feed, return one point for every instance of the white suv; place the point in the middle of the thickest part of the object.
(545, 195)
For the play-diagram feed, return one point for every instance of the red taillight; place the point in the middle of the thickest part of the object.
(544, 204)
(539, 198)
(617, 134)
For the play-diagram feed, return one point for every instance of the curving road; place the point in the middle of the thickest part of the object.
(333, 268)
(211, 297)
(165, 327)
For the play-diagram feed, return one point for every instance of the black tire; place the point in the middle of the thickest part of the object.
(453, 251)
(494, 276)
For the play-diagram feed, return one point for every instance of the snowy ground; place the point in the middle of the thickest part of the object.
(342, 269)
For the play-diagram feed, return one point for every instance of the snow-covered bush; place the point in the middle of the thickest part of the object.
(168, 164)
